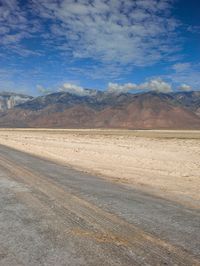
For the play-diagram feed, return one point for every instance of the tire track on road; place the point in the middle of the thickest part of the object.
(101, 226)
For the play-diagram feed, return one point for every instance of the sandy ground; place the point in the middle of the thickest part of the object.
(163, 162)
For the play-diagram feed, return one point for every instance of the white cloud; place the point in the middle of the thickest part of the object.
(11, 22)
(185, 87)
(119, 88)
(180, 67)
(43, 90)
(127, 32)
(156, 85)
(15, 26)
(194, 29)
(115, 35)
(69, 87)
(186, 73)
(75, 89)
(153, 85)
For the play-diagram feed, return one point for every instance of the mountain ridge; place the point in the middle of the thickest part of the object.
(147, 110)
(9, 100)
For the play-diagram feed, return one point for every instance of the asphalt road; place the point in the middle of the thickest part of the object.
(53, 215)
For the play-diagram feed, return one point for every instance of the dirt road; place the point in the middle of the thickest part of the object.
(53, 215)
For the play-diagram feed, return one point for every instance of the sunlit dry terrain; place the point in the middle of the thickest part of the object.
(166, 163)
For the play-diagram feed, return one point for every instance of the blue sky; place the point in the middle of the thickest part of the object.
(51, 45)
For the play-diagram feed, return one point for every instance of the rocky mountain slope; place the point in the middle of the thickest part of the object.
(190, 100)
(105, 110)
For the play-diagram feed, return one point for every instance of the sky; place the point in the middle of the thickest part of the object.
(115, 45)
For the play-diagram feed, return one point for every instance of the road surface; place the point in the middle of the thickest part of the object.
(53, 215)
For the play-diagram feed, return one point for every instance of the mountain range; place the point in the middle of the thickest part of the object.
(98, 109)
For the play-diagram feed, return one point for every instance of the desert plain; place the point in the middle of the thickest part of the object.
(163, 163)
(99, 197)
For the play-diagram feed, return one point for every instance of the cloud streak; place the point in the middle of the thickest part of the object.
(98, 40)
(186, 72)
(15, 27)
(123, 32)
